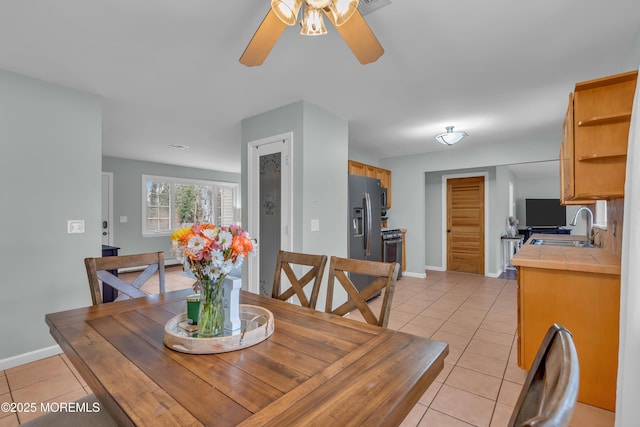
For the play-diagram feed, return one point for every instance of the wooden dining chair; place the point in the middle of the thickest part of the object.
(550, 390)
(101, 269)
(385, 273)
(286, 263)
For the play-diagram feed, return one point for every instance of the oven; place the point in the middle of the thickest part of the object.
(392, 247)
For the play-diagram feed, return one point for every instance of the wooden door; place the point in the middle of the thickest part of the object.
(465, 225)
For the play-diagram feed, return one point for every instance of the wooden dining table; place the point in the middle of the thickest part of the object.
(315, 369)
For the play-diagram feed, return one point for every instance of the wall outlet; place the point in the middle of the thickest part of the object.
(123, 219)
(315, 225)
(75, 226)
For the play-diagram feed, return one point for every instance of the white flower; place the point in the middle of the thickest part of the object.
(226, 267)
(210, 233)
(225, 239)
(217, 258)
(239, 260)
(196, 243)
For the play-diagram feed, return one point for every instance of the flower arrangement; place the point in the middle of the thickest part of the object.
(211, 253)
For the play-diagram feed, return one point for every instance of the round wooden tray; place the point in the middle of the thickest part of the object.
(257, 326)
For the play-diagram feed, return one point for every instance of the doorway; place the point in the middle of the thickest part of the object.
(269, 198)
(465, 224)
(107, 208)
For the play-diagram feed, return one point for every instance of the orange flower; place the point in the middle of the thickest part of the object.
(241, 245)
(182, 235)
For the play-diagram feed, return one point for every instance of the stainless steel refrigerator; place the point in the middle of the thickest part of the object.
(365, 207)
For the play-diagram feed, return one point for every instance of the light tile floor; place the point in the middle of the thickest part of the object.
(475, 315)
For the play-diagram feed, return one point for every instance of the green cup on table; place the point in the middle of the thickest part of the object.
(193, 308)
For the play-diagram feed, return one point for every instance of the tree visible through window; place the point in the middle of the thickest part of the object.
(158, 206)
(171, 203)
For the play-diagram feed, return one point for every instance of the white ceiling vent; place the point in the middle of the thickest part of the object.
(368, 6)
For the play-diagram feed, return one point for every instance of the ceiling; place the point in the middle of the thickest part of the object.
(168, 70)
(536, 170)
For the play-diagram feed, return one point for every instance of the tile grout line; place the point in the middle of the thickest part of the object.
(495, 402)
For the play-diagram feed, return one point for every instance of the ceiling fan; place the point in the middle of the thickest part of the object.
(343, 14)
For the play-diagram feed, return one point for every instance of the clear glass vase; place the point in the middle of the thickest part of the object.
(211, 315)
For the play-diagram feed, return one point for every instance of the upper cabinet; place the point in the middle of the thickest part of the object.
(593, 154)
(384, 175)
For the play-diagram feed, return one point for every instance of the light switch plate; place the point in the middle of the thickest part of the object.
(315, 225)
(75, 226)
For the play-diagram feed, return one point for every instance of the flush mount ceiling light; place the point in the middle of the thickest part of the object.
(450, 137)
(343, 14)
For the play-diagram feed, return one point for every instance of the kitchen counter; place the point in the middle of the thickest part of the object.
(578, 288)
(590, 260)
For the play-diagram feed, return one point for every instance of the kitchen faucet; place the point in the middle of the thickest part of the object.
(589, 222)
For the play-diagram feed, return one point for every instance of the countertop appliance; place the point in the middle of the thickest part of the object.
(392, 246)
(364, 223)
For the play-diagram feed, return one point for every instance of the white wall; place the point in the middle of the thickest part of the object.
(320, 152)
(628, 389)
(50, 150)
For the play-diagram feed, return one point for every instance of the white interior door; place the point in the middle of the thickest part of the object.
(107, 209)
(269, 198)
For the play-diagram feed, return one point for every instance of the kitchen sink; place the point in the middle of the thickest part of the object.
(560, 242)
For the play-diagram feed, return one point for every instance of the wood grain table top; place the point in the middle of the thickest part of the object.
(316, 368)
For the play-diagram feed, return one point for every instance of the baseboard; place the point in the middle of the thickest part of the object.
(32, 356)
(167, 263)
(437, 268)
(416, 275)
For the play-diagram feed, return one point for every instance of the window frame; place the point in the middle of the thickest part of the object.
(173, 181)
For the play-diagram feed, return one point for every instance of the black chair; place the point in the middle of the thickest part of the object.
(550, 391)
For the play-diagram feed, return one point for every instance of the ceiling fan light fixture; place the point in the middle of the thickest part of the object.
(287, 10)
(450, 137)
(312, 23)
(343, 10)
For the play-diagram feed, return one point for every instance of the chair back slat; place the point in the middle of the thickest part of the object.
(285, 263)
(99, 270)
(119, 284)
(386, 276)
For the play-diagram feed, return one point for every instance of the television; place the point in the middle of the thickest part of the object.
(545, 213)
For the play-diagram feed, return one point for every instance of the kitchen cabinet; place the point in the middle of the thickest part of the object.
(384, 175)
(593, 153)
(583, 296)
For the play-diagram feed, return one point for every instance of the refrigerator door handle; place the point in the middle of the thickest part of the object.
(367, 237)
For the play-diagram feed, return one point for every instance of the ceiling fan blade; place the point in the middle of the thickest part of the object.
(359, 37)
(263, 40)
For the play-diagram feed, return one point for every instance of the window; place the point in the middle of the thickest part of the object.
(171, 203)
(600, 215)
